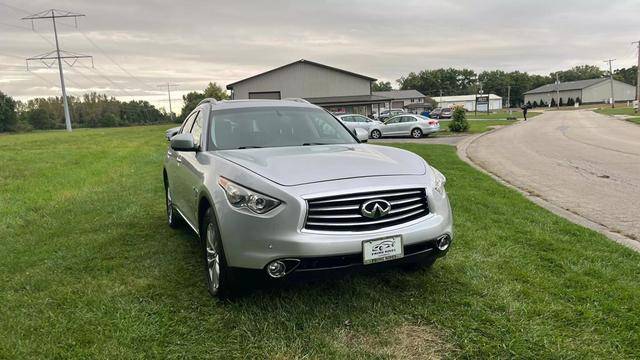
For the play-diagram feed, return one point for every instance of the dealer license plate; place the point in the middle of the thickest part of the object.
(378, 250)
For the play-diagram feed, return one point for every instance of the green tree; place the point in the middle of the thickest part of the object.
(8, 114)
(450, 81)
(553, 102)
(381, 86)
(581, 72)
(192, 98)
(578, 100)
(627, 75)
(570, 102)
(560, 103)
(459, 121)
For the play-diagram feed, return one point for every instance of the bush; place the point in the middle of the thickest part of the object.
(542, 103)
(535, 104)
(570, 102)
(578, 100)
(553, 102)
(459, 121)
(560, 103)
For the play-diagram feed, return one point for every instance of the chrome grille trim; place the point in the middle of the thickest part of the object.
(342, 212)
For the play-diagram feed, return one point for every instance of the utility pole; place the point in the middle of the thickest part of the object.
(557, 92)
(509, 98)
(169, 86)
(638, 74)
(60, 55)
(613, 100)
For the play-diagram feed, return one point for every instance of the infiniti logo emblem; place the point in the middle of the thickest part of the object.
(375, 208)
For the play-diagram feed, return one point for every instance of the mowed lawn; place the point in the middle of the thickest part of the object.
(619, 110)
(90, 270)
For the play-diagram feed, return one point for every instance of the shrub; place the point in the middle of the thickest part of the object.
(560, 103)
(459, 121)
(535, 104)
(553, 102)
(570, 102)
(578, 100)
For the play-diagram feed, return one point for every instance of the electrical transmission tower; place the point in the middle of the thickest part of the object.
(169, 86)
(57, 55)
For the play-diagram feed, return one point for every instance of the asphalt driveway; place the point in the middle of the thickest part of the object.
(586, 163)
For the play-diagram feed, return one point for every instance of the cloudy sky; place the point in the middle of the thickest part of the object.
(140, 44)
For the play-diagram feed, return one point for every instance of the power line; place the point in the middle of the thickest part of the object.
(53, 14)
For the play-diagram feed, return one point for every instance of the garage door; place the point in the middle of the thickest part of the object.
(397, 104)
(271, 95)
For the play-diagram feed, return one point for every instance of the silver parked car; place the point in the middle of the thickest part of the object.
(412, 125)
(353, 121)
(280, 188)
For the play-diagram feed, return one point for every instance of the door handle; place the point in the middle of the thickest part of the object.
(179, 159)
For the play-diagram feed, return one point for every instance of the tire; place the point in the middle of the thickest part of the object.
(376, 134)
(173, 218)
(416, 133)
(219, 280)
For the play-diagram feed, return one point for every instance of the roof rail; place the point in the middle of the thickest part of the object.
(300, 100)
(208, 100)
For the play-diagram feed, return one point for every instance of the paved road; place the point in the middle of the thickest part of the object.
(581, 161)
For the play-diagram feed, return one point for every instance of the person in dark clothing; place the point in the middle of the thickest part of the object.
(524, 111)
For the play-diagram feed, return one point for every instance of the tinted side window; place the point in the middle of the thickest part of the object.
(408, 119)
(394, 120)
(347, 118)
(196, 130)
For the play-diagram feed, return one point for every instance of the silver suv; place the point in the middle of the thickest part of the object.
(283, 188)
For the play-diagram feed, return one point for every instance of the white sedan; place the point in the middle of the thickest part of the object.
(353, 121)
(412, 125)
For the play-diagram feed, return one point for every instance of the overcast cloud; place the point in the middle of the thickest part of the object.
(191, 45)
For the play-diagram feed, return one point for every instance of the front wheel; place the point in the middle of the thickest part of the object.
(216, 269)
(416, 133)
(376, 134)
(172, 215)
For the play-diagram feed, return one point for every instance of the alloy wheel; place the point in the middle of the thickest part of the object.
(416, 133)
(375, 134)
(213, 259)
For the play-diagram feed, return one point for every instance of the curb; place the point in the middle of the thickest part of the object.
(462, 150)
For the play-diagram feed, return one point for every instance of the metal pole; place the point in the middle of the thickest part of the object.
(638, 73)
(557, 92)
(509, 96)
(170, 111)
(613, 100)
(67, 117)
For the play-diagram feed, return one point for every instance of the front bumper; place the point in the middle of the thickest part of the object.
(253, 241)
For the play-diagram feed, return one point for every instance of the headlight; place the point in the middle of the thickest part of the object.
(439, 181)
(239, 197)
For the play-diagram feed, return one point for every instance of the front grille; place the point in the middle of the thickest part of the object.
(343, 212)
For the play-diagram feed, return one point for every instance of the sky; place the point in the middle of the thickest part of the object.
(138, 45)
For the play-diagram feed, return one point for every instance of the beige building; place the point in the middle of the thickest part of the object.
(588, 91)
(338, 90)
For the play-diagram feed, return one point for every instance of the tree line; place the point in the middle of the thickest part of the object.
(452, 81)
(89, 111)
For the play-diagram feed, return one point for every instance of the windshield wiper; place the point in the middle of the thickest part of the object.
(314, 143)
(249, 147)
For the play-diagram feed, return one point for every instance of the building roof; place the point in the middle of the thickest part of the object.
(471, 97)
(230, 86)
(353, 99)
(566, 86)
(399, 94)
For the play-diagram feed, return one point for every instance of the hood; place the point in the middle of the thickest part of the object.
(299, 165)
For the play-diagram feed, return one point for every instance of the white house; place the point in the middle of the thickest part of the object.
(468, 102)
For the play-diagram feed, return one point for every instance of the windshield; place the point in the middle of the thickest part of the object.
(274, 127)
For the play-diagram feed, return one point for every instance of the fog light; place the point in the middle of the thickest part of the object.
(443, 242)
(276, 269)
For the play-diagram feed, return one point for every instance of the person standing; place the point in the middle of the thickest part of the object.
(525, 107)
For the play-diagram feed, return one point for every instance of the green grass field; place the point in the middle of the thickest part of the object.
(90, 270)
(618, 110)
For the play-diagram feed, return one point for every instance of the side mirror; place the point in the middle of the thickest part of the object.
(172, 132)
(362, 135)
(183, 142)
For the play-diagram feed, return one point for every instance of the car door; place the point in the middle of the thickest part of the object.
(406, 124)
(348, 121)
(391, 127)
(179, 187)
(174, 166)
(363, 122)
(191, 171)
